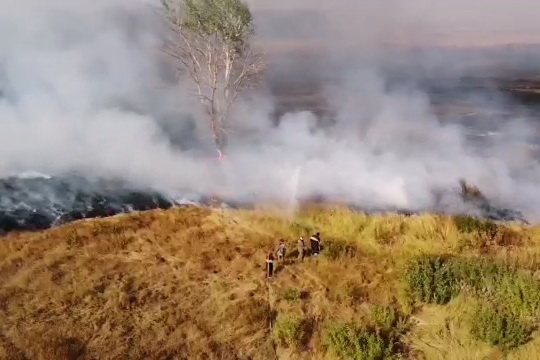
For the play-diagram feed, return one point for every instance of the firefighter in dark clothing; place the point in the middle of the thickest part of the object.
(270, 259)
(315, 241)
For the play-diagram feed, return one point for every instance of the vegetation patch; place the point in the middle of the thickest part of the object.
(499, 327)
(290, 330)
(432, 279)
(480, 234)
(472, 225)
(509, 297)
(339, 249)
(437, 279)
(359, 342)
(389, 320)
(293, 294)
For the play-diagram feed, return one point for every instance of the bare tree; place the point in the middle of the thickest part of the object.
(210, 41)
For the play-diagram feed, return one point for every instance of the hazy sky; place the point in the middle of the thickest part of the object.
(448, 22)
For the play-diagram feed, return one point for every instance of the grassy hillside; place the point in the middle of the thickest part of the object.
(190, 284)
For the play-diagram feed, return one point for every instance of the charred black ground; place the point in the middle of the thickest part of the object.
(38, 203)
(42, 202)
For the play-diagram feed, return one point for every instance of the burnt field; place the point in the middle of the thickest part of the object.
(301, 80)
(307, 61)
(477, 97)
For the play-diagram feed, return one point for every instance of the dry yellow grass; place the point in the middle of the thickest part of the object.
(190, 284)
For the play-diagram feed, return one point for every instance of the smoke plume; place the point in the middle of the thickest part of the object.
(85, 88)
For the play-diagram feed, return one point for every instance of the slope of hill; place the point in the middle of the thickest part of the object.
(190, 284)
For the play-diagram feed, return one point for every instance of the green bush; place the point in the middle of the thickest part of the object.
(484, 228)
(510, 293)
(290, 330)
(477, 274)
(389, 320)
(432, 279)
(351, 342)
(339, 249)
(498, 327)
(436, 279)
(292, 294)
(517, 291)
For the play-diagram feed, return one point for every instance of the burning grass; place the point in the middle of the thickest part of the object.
(190, 284)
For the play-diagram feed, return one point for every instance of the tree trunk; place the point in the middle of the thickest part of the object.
(220, 138)
(221, 143)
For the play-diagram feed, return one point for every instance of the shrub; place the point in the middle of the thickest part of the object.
(292, 294)
(389, 320)
(348, 341)
(477, 274)
(290, 330)
(517, 291)
(384, 317)
(436, 279)
(432, 279)
(339, 249)
(498, 327)
(485, 229)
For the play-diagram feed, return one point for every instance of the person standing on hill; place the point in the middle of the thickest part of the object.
(301, 248)
(315, 244)
(270, 265)
(281, 250)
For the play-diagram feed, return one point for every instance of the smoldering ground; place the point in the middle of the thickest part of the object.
(86, 89)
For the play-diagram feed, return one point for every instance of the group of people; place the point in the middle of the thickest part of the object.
(280, 252)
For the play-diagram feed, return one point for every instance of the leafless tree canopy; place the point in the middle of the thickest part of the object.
(209, 40)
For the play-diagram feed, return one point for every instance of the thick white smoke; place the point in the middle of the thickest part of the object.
(81, 91)
(84, 88)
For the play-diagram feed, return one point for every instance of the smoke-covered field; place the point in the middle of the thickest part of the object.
(342, 116)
